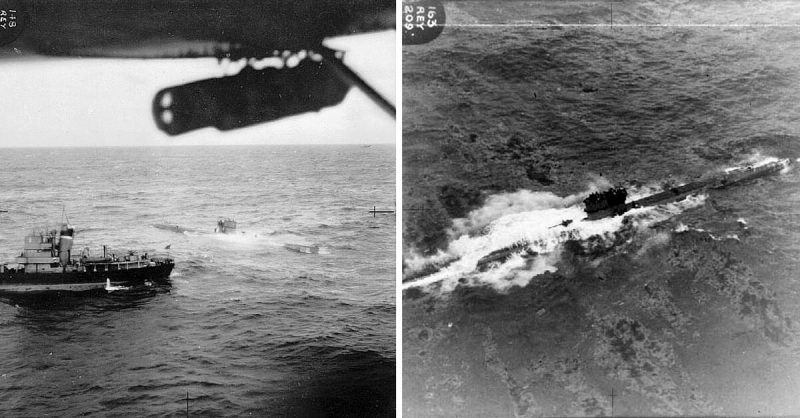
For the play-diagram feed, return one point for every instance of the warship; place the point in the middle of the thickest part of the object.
(612, 202)
(47, 264)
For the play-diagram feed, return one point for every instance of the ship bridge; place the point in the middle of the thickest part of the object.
(46, 252)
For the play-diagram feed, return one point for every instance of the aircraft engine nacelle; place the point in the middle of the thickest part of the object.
(249, 97)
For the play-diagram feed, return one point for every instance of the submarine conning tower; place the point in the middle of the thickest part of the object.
(226, 225)
(610, 198)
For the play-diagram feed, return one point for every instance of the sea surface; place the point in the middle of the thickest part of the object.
(245, 326)
(516, 113)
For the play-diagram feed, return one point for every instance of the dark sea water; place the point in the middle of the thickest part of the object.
(246, 327)
(511, 117)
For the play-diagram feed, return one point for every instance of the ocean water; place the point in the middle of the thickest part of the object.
(515, 114)
(245, 326)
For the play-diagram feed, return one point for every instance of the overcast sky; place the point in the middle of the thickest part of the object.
(108, 102)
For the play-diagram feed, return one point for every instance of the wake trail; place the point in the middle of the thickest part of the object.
(536, 238)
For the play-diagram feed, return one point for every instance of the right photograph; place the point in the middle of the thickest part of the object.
(601, 208)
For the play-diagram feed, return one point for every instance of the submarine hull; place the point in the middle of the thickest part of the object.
(174, 228)
(305, 249)
(670, 195)
(679, 193)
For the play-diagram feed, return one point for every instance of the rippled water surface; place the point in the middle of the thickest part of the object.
(513, 115)
(246, 326)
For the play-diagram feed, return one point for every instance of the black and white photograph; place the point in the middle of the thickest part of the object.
(600, 208)
(198, 208)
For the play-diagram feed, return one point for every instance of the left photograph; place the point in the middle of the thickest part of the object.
(198, 215)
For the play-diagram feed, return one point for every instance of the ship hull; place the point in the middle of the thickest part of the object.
(673, 194)
(681, 192)
(174, 228)
(23, 283)
(306, 249)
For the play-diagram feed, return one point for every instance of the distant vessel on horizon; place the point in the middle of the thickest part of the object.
(46, 264)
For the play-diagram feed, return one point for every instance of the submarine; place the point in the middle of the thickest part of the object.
(224, 226)
(174, 228)
(613, 202)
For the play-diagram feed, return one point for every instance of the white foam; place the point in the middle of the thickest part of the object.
(110, 288)
(756, 160)
(521, 201)
(541, 230)
(240, 238)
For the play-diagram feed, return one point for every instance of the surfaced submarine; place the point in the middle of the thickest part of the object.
(612, 202)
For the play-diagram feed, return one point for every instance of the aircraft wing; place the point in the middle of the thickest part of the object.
(182, 28)
(310, 77)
